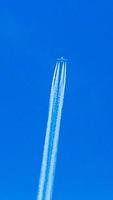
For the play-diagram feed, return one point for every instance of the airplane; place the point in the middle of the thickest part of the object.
(61, 59)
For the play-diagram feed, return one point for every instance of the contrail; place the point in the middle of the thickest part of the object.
(52, 131)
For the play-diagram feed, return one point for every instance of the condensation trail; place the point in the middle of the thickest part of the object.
(52, 132)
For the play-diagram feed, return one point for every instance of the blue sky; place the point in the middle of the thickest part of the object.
(32, 35)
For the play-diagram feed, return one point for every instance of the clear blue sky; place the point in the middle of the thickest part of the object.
(32, 35)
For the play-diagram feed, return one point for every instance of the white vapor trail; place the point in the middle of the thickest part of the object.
(52, 132)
